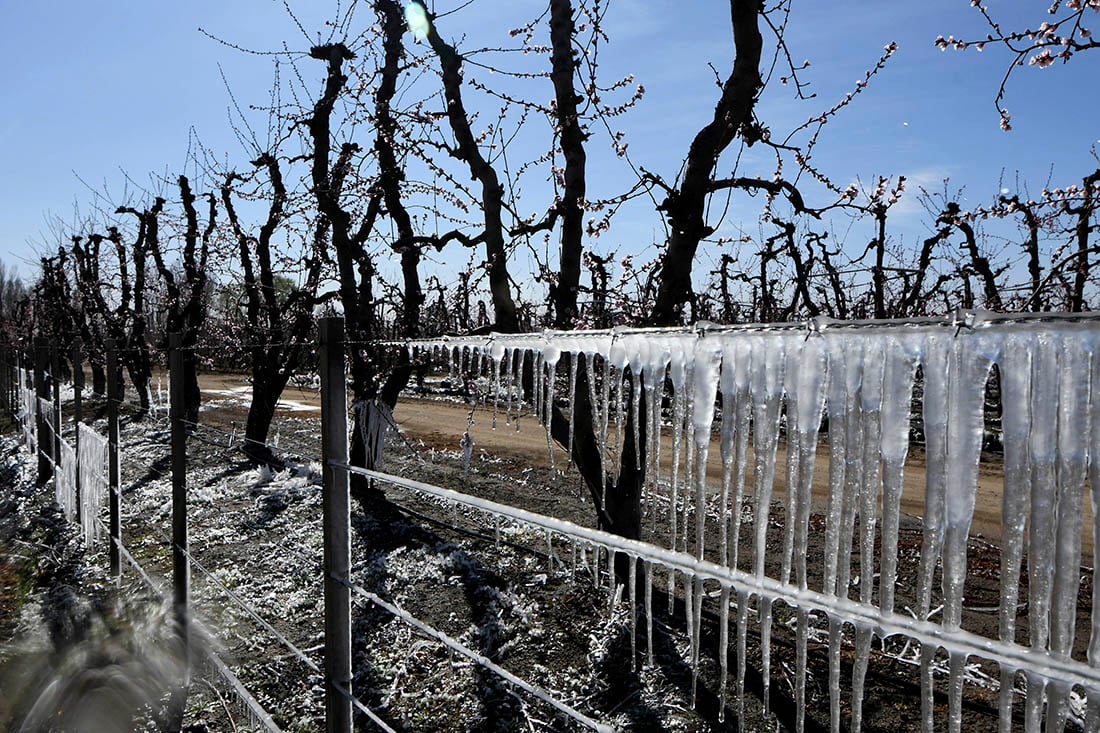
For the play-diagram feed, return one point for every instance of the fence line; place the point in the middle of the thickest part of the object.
(861, 377)
(82, 477)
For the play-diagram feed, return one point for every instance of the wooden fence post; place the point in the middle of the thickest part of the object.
(113, 468)
(337, 521)
(42, 390)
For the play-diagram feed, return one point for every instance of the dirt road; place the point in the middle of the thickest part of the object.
(440, 424)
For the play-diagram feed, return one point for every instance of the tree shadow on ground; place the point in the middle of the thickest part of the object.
(383, 528)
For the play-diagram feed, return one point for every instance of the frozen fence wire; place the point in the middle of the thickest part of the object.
(479, 658)
(776, 384)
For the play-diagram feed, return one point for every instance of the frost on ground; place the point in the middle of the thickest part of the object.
(256, 540)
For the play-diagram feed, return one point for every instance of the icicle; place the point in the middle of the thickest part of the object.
(497, 353)
(573, 358)
(1057, 705)
(619, 359)
(728, 387)
(838, 421)
(705, 379)
(1015, 370)
(743, 406)
(612, 582)
(689, 616)
(793, 446)
(550, 355)
(519, 384)
(812, 371)
(697, 629)
(508, 379)
(1042, 445)
(765, 616)
(597, 420)
(859, 674)
(801, 634)
(633, 580)
(605, 404)
(649, 612)
(689, 443)
(677, 375)
(596, 549)
(956, 670)
(1033, 705)
(93, 480)
(1004, 708)
(653, 378)
(496, 531)
(928, 689)
(723, 650)
(550, 551)
(853, 468)
(767, 397)
(467, 445)
(742, 635)
(536, 394)
(898, 377)
(970, 370)
(935, 438)
(1073, 442)
(836, 630)
(871, 427)
(1093, 718)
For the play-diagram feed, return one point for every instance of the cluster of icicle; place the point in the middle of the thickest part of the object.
(862, 379)
(93, 462)
(27, 415)
(64, 483)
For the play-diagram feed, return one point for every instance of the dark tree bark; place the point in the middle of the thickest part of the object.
(1031, 246)
(685, 206)
(138, 355)
(980, 263)
(1081, 232)
(186, 311)
(492, 192)
(573, 136)
(276, 329)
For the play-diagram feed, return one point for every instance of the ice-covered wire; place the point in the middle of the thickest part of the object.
(476, 657)
(1009, 656)
(363, 708)
(252, 612)
(220, 666)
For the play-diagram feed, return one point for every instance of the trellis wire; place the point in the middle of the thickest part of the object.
(768, 589)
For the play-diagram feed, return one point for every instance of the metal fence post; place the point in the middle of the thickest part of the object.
(113, 468)
(42, 390)
(55, 383)
(181, 564)
(78, 416)
(337, 521)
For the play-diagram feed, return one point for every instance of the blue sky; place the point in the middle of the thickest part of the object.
(95, 89)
